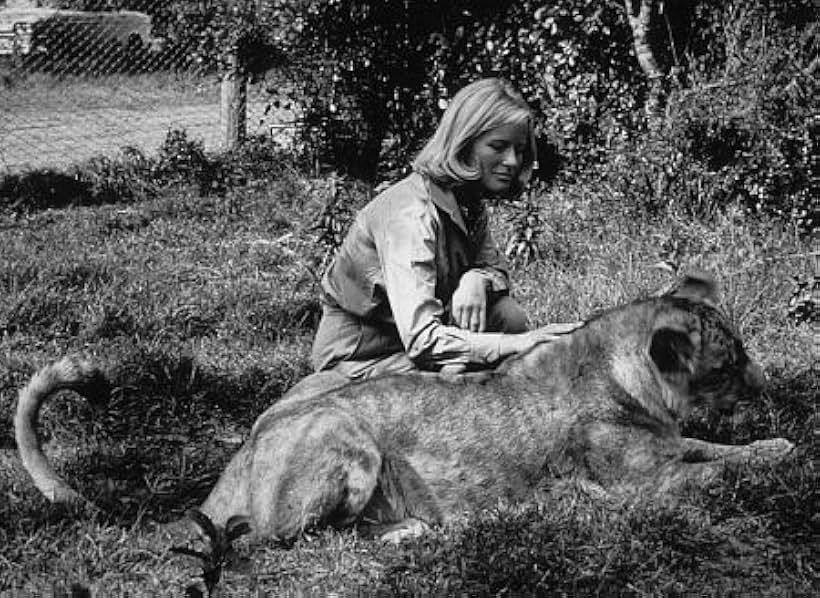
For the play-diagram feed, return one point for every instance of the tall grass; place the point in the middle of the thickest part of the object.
(202, 310)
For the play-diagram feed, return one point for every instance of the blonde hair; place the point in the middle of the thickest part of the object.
(477, 108)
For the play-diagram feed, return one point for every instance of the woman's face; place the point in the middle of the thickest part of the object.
(499, 156)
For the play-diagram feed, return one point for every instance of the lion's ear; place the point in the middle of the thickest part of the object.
(673, 351)
(698, 286)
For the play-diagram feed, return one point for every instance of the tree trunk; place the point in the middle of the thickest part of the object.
(639, 14)
(233, 103)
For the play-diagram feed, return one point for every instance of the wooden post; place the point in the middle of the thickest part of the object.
(233, 103)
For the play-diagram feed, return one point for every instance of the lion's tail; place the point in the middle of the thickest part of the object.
(67, 374)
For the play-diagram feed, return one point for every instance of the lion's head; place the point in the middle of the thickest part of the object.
(697, 350)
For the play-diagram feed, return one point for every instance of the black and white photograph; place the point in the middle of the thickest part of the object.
(328, 298)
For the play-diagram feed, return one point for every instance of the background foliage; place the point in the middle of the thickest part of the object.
(371, 79)
(376, 76)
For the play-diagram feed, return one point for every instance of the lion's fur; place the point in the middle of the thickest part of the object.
(600, 404)
(67, 374)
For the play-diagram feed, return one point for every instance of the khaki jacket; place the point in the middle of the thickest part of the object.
(400, 264)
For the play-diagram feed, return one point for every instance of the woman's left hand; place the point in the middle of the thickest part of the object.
(469, 303)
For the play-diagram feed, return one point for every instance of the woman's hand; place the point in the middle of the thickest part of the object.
(512, 344)
(469, 303)
(519, 343)
(551, 332)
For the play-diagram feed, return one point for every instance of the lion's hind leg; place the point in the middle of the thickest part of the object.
(316, 469)
(403, 506)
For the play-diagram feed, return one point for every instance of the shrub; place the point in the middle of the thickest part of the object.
(738, 127)
(743, 133)
(133, 176)
(376, 71)
(126, 178)
(183, 161)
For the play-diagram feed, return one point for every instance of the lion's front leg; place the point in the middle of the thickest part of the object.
(704, 462)
(760, 452)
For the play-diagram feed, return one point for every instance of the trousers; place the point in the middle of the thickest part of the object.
(360, 349)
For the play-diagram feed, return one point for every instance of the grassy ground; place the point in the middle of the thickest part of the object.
(202, 310)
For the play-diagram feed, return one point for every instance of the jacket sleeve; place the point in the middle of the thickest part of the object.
(406, 240)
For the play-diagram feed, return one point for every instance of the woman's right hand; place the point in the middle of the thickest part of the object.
(545, 334)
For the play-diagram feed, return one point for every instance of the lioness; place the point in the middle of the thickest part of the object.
(408, 451)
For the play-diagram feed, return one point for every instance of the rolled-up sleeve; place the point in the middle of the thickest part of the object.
(407, 249)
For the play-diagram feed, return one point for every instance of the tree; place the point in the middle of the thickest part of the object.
(235, 38)
(372, 71)
(640, 16)
(659, 31)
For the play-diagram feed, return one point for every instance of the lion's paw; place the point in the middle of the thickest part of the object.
(770, 450)
(404, 530)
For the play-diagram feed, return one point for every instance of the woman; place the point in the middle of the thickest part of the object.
(418, 282)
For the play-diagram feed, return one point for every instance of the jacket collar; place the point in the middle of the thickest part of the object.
(445, 200)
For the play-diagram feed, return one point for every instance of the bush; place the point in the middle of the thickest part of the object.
(183, 161)
(738, 127)
(375, 71)
(133, 176)
(124, 179)
(743, 135)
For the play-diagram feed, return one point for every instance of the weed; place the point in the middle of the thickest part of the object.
(220, 546)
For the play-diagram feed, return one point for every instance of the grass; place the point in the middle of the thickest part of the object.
(202, 311)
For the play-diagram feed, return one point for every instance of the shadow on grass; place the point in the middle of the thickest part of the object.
(160, 443)
(576, 546)
(175, 425)
(42, 189)
(788, 408)
(784, 495)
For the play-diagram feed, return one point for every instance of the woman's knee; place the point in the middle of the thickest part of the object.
(507, 315)
(337, 338)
